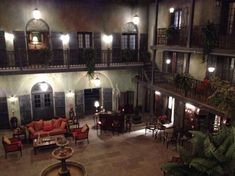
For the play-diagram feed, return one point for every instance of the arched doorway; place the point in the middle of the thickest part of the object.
(42, 101)
(37, 32)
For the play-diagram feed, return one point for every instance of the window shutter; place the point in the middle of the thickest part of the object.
(20, 48)
(73, 46)
(57, 49)
(25, 109)
(107, 99)
(4, 118)
(185, 17)
(79, 102)
(97, 46)
(60, 104)
(3, 54)
(116, 47)
(143, 42)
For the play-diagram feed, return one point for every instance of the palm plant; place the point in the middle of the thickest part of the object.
(211, 155)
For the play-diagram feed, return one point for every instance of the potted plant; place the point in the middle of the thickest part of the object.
(89, 55)
(210, 155)
(183, 81)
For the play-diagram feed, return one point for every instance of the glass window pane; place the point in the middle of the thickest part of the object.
(80, 41)
(87, 41)
(132, 41)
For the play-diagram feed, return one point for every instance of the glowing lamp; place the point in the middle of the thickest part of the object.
(36, 14)
(136, 19)
(171, 10)
(43, 86)
(211, 69)
(168, 61)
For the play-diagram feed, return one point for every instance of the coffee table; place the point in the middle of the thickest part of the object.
(45, 142)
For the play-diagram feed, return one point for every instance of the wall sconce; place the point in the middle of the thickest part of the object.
(12, 99)
(9, 36)
(43, 86)
(65, 38)
(171, 10)
(36, 14)
(108, 39)
(97, 81)
(70, 94)
(190, 106)
(136, 19)
(168, 61)
(157, 93)
(211, 69)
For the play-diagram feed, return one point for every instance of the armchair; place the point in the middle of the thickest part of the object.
(11, 145)
(81, 133)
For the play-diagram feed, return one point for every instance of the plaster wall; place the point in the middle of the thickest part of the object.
(69, 15)
(196, 68)
(17, 85)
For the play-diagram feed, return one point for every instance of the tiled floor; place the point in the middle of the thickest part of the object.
(130, 154)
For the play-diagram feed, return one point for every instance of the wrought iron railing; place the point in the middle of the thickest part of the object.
(172, 36)
(68, 58)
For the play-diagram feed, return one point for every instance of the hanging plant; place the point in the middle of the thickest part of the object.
(223, 97)
(209, 38)
(183, 81)
(89, 55)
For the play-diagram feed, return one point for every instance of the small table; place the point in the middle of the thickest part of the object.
(45, 142)
(20, 133)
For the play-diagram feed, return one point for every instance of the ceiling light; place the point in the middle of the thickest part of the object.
(36, 14)
(97, 82)
(168, 61)
(157, 93)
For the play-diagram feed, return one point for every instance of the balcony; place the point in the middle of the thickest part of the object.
(69, 60)
(223, 41)
(172, 36)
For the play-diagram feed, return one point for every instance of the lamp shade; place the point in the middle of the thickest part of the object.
(136, 19)
(211, 69)
(97, 82)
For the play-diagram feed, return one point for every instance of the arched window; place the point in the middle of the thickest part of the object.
(129, 36)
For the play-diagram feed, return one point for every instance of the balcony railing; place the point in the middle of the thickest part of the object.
(223, 41)
(69, 58)
(172, 36)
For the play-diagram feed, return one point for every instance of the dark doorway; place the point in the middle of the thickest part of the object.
(4, 119)
(42, 101)
(91, 95)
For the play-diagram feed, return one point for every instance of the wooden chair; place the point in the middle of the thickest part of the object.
(81, 134)
(12, 145)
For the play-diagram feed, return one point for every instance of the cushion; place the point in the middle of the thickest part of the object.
(6, 140)
(48, 122)
(38, 125)
(84, 128)
(63, 125)
(31, 124)
(56, 123)
(47, 127)
(31, 130)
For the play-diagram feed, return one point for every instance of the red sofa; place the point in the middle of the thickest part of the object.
(44, 128)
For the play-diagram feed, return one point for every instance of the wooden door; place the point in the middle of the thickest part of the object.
(79, 102)
(20, 48)
(4, 118)
(90, 96)
(25, 109)
(3, 56)
(60, 104)
(107, 99)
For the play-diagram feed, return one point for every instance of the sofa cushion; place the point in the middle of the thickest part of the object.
(48, 122)
(47, 127)
(38, 125)
(6, 140)
(63, 125)
(31, 130)
(57, 131)
(31, 124)
(84, 128)
(56, 123)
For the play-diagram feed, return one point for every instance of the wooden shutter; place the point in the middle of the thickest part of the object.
(97, 46)
(185, 17)
(3, 54)
(57, 49)
(180, 63)
(107, 99)
(224, 17)
(116, 47)
(79, 102)
(20, 48)
(60, 104)
(130, 98)
(25, 109)
(143, 47)
(73, 46)
(4, 118)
